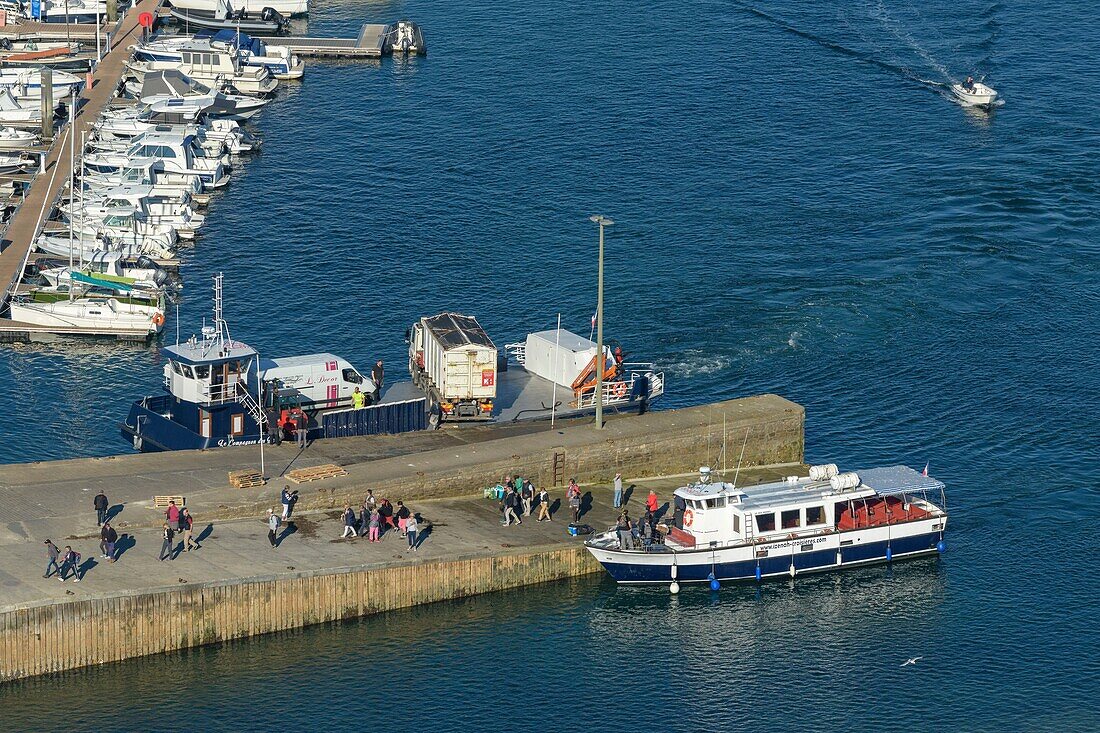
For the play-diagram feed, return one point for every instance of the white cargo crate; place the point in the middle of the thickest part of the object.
(559, 355)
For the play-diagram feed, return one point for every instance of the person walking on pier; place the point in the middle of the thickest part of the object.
(358, 399)
(385, 511)
(52, 554)
(411, 531)
(402, 515)
(284, 499)
(301, 423)
(349, 522)
(364, 520)
(527, 495)
(110, 539)
(172, 514)
(273, 523)
(69, 560)
(101, 504)
(378, 376)
(374, 522)
(573, 495)
(370, 501)
(169, 536)
(511, 500)
(618, 491)
(187, 526)
(544, 506)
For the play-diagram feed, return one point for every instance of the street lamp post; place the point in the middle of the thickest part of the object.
(602, 221)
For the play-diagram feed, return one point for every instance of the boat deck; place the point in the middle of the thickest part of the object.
(520, 396)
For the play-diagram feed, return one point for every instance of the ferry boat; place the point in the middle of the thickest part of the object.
(825, 521)
(219, 392)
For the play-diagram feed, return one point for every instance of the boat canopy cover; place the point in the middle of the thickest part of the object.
(453, 330)
(168, 82)
(892, 480)
(232, 38)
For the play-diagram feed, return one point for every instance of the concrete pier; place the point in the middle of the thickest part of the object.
(236, 585)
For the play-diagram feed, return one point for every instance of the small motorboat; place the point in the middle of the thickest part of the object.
(12, 139)
(15, 163)
(267, 22)
(976, 94)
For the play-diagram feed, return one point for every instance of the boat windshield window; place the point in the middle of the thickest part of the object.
(202, 371)
(187, 371)
(350, 375)
(176, 367)
(815, 515)
(765, 522)
(792, 519)
(716, 503)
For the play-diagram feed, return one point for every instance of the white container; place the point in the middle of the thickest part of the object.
(559, 355)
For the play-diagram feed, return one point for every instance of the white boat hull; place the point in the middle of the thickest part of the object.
(92, 316)
(979, 96)
(286, 7)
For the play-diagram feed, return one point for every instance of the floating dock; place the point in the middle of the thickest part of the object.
(236, 586)
(374, 42)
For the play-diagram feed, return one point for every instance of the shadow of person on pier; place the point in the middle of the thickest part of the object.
(288, 529)
(125, 542)
(586, 504)
(113, 512)
(555, 507)
(204, 534)
(661, 511)
(628, 492)
(83, 568)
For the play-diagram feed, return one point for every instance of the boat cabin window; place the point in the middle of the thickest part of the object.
(187, 371)
(765, 522)
(118, 221)
(202, 371)
(176, 367)
(737, 524)
(792, 519)
(815, 515)
(716, 503)
(350, 375)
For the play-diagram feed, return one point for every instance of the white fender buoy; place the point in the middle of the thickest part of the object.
(674, 588)
(674, 569)
(839, 560)
(791, 570)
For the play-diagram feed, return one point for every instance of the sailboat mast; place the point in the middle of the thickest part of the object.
(72, 163)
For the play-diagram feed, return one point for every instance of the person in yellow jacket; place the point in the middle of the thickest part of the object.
(358, 399)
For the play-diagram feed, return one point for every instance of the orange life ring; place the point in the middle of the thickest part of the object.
(158, 318)
(689, 517)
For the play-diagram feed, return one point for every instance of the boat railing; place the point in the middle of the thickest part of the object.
(621, 391)
(518, 352)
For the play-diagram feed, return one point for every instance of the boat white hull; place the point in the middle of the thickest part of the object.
(776, 558)
(89, 316)
(286, 7)
(981, 96)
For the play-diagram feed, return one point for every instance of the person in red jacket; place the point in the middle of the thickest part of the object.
(651, 501)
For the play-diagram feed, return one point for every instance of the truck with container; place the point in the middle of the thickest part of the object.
(454, 362)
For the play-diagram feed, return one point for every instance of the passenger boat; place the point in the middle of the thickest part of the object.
(825, 521)
(978, 94)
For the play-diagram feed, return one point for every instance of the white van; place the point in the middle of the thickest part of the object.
(317, 381)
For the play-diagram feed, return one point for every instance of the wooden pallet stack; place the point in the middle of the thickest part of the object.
(316, 473)
(246, 479)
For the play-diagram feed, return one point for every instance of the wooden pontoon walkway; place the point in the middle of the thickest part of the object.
(19, 237)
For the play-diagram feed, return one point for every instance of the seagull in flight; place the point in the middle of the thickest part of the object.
(913, 660)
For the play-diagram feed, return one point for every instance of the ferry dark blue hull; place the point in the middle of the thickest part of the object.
(165, 423)
(777, 566)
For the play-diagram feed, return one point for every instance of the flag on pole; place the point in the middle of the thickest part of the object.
(593, 320)
(925, 471)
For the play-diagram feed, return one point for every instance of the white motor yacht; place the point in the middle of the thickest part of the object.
(12, 139)
(89, 315)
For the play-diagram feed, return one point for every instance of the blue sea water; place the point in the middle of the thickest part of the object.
(800, 208)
